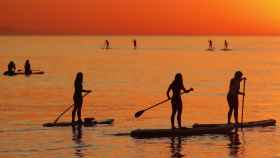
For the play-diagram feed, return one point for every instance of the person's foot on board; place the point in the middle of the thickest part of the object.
(80, 122)
(73, 123)
(183, 127)
(236, 125)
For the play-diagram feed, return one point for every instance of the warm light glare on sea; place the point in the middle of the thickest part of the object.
(124, 81)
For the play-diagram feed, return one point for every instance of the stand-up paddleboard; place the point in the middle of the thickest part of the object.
(210, 49)
(154, 133)
(7, 73)
(226, 49)
(33, 73)
(260, 123)
(84, 123)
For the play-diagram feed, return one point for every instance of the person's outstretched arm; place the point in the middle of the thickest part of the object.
(87, 91)
(185, 90)
(189, 90)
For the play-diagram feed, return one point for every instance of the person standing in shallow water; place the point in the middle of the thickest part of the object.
(177, 106)
(78, 97)
(27, 68)
(232, 96)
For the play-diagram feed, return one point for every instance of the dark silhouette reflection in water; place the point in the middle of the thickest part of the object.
(176, 146)
(77, 138)
(234, 145)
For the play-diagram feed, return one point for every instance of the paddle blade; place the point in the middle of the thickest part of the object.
(139, 113)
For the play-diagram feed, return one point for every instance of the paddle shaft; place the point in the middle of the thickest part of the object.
(61, 114)
(243, 98)
(159, 103)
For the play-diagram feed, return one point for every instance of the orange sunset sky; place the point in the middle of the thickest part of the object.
(140, 17)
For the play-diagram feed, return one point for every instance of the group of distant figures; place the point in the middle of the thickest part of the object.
(134, 42)
(211, 47)
(107, 44)
(12, 68)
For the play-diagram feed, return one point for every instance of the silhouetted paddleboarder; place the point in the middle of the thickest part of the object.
(210, 44)
(11, 69)
(27, 68)
(177, 86)
(232, 96)
(78, 97)
(134, 44)
(226, 44)
(107, 44)
(12, 66)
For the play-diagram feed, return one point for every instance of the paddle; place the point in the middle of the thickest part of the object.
(244, 85)
(67, 110)
(139, 113)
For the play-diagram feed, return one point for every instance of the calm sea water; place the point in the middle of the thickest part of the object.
(124, 81)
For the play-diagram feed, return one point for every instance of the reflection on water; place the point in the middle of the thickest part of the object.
(175, 146)
(234, 144)
(77, 139)
(125, 81)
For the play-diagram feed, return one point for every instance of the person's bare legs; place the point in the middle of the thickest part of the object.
(74, 113)
(179, 115)
(229, 114)
(174, 110)
(236, 113)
